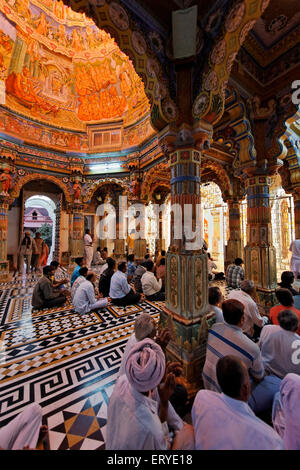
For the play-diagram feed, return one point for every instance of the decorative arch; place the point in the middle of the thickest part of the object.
(116, 20)
(237, 23)
(219, 176)
(91, 188)
(159, 175)
(22, 180)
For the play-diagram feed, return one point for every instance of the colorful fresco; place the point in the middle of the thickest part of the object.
(59, 67)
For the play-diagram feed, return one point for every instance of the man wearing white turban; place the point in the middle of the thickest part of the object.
(144, 404)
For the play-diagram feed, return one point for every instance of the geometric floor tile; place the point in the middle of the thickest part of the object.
(68, 363)
(79, 426)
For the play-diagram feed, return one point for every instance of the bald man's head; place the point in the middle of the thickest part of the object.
(233, 377)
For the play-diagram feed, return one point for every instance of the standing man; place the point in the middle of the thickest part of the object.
(88, 248)
(37, 251)
(26, 247)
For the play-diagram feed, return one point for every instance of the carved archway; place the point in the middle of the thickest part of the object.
(217, 174)
(22, 180)
(240, 19)
(159, 175)
(91, 188)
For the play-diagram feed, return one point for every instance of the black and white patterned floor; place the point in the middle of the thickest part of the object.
(66, 362)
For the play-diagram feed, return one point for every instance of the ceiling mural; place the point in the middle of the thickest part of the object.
(60, 68)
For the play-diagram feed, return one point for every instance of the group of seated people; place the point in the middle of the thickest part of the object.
(122, 283)
(251, 380)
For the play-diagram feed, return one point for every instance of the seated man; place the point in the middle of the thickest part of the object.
(24, 431)
(151, 286)
(120, 291)
(44, 295)
(97, 260)
(228, 338)
(105, 277)
(285, 414)
(130, 267)
(139, 272)
(286, 302)
(235, 274)
(287, 279)
(224, 421)
(60, 275)
(252, 315)
(145, 410)
(215, 300)
(75, 274)
(211, 265)
(83, 272)
(278, 345)
(84, 299)
(144, 327)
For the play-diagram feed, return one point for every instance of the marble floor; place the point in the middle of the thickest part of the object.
(66, 362)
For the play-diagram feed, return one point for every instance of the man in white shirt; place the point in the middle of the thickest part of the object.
(150, 285)
(252, 315)
(84, 299)
(83, 272)
(97, 259)
(215, 299)
(138, 412)
(88, 248)
(224, 421)
(120, 291)
(280, 345)
(228, 339)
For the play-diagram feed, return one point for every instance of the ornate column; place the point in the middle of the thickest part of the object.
(186, 266)
(7, 159)
(76, 230)
(4, 264)
(296, 196)
(160, 242)
(260, 254)
(234, 244)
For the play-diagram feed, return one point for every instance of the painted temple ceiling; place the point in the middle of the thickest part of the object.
(61, 70)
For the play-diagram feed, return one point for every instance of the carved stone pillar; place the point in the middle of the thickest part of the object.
(76, 230)
(186, 269)
(140, 248)
(234, 244)
(160, 242)
(260, 254)
(4, 264)
(296, 195)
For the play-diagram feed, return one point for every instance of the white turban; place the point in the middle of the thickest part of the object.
(145, 365)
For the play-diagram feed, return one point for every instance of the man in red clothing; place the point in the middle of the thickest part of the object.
(286, 301)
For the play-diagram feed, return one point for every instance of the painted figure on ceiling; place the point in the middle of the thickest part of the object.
(76, 43)
(59, 9)
(42, 27)
(61, 35)
(20, 85)
(22, 7)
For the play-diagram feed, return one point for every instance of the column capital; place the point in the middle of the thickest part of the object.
(198, 137)
(75, 208)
